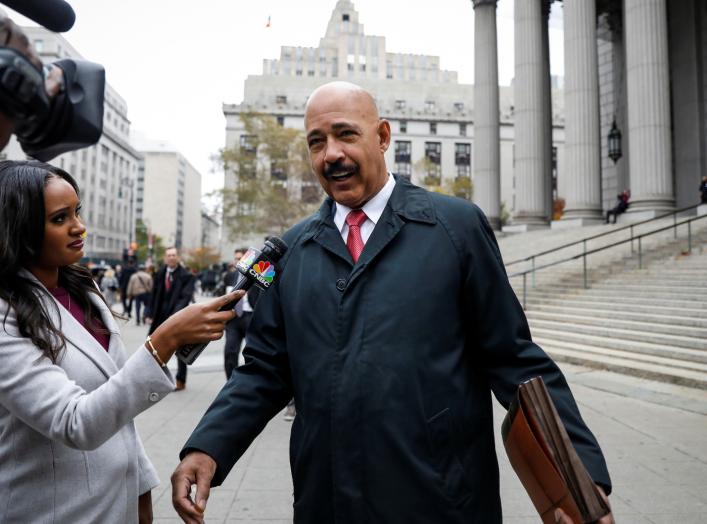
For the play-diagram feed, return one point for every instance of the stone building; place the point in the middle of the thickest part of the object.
(637, 67)
(433, 117)
(106, 172)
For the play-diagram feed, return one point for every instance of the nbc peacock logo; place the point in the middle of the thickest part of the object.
(264, 270)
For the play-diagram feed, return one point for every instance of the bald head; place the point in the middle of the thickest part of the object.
(339, 95)
(347, 141)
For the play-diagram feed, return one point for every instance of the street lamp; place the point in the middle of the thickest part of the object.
(614, 139)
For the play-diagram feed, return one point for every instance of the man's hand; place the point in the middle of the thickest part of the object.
(562, 518)
(196, 468)
(144, 508)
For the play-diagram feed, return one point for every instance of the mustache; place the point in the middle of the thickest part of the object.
(339, 168)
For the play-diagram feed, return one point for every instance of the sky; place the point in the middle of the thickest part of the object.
(175, 62)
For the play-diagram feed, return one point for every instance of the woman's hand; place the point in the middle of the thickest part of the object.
(195, 323)
(144, 508)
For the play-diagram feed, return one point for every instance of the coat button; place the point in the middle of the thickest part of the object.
(154, 397)
(341, 284)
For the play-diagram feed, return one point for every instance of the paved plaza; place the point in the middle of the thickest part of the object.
(654, 436)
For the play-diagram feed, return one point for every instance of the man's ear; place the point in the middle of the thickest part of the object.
(384, 134)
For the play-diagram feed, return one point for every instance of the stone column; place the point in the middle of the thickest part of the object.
(648, 94)
(531, 117)
(487, 150)
(581, 179)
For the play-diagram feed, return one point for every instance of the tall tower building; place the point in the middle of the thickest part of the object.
(169, 196)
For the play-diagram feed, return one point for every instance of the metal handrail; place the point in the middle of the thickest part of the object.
(584, 253)
(599, 235)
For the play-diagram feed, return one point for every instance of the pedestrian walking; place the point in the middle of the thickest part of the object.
(69, 451)
(139, 291)
(172, 290)
(109, 287)
(236, 329)
(125, 274)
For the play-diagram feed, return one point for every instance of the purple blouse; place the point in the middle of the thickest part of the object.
(72, 306)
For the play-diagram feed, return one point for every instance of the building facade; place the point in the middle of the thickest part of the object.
(168, 196)
(106, 172)
(433, 117)
(635, 69)
(210, 231)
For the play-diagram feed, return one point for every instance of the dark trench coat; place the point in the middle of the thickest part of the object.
(392, 362)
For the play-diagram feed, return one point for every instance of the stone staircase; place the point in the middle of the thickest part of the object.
(650, 322)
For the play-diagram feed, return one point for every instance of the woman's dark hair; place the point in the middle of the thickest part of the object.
(22, 219)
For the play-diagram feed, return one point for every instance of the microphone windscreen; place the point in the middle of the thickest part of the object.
(55, 15)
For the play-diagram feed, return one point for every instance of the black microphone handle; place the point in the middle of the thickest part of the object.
(190, 352)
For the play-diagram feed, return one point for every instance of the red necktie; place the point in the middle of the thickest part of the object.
(168, 281)
(354, 241)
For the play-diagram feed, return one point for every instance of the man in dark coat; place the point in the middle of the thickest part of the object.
(391, 328)
(236, 329)
(172, 290)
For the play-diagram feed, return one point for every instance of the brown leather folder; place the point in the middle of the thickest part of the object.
(545, 460)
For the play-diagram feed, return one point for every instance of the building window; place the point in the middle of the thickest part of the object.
(281, 120)
(403, 151)
(277, 170)
(247, 143)
(311, 192)
(459, 106)
(400, 105)
(462, 159)
(404, 170)
(310, 73)
(403, 157)
(345, 17)
(298, 72)
(433, 158)
(429, 106)
(462, 129)
(433, 128)
(281, 99)
(554, 173)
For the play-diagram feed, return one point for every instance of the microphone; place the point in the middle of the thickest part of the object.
(55, 15)
(257, 267)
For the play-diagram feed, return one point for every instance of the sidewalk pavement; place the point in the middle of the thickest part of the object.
(654, 437)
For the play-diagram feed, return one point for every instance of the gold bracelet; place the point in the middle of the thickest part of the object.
(151, 347)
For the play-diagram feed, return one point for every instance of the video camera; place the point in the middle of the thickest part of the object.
(73, 118)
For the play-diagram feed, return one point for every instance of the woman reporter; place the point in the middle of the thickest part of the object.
(69, 451)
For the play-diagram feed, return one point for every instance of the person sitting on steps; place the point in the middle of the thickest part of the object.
(620, 207)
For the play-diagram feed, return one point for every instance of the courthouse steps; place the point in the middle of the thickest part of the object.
(650, 322)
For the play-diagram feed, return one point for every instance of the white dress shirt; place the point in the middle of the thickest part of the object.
(373, 209)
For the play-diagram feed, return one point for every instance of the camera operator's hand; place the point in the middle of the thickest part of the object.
(12, 36)
(54, 81)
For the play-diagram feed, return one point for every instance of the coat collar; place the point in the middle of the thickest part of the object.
(77, 335)
(407, 203)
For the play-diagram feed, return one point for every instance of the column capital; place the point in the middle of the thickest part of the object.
(477, 3)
